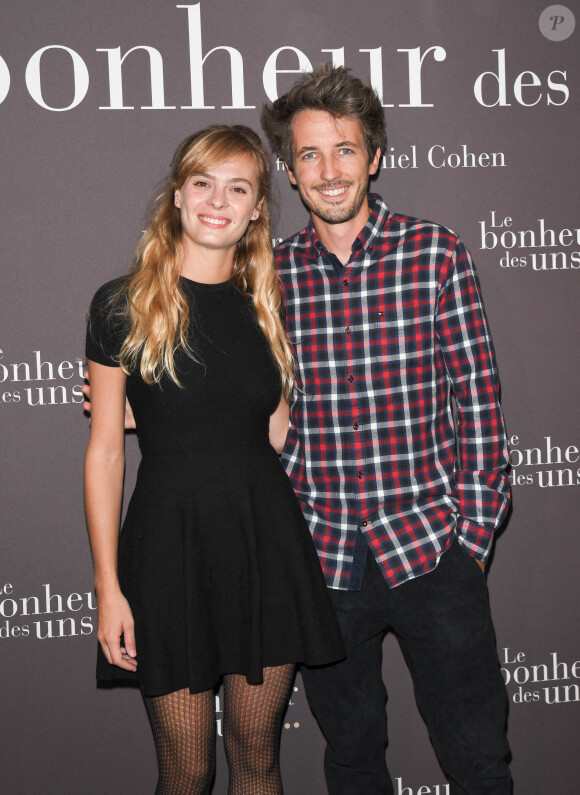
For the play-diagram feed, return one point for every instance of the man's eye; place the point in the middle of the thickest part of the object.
(309, 155)
(346, 151)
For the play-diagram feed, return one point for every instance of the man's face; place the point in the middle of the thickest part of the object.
(331, 166)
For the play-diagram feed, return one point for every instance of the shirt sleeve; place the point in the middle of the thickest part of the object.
(106, 327)
(481, 486)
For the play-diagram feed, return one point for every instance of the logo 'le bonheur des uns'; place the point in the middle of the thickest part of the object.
(39, 382)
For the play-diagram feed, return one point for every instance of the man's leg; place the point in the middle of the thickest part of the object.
(348, 698)
(446, 634)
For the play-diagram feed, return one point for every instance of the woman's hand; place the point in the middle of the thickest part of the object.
(116, 631)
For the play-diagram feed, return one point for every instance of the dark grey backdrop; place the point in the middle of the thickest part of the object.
(81, 152)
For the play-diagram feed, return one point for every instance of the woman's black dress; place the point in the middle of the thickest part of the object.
(215, 557)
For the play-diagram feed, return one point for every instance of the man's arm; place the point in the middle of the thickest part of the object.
(482, 487)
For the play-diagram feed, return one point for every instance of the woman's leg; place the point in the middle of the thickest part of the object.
(252, 722)
(183, 726)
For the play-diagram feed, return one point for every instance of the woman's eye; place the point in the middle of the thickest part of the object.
(199, 183)
(239, 190)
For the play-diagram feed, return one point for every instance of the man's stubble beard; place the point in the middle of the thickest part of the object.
(336, 215)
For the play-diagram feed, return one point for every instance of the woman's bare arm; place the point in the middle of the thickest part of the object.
(104, 472)
(86, 388)
(279, 425)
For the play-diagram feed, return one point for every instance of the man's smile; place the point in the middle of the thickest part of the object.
(333, 192)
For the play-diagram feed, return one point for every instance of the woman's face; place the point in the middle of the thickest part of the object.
(217, 205)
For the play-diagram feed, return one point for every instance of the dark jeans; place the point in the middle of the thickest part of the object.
(443, 624)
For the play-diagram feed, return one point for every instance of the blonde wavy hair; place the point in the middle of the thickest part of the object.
(159, 313)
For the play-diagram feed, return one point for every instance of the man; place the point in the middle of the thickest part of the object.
(386, 320)
(402, 499)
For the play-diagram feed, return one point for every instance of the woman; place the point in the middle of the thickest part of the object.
(214, 575)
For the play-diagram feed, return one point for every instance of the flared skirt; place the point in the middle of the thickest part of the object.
(220, 570)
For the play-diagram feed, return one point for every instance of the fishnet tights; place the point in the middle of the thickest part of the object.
(184, 732)
(252, 724)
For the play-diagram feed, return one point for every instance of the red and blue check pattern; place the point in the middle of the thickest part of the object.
(373, 447)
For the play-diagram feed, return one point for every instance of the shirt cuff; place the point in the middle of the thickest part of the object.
(476, 539)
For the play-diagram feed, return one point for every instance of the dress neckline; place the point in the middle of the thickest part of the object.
(204, 286)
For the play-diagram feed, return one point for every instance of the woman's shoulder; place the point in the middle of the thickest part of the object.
(108, 322)
(111, 296)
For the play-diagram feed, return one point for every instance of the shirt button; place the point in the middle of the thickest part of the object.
(355, 426)
(350, 379)
(347, 330)
(365, 523)
(345, 282)
(359, 475)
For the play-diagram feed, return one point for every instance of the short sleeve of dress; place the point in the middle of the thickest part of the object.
(106, 326)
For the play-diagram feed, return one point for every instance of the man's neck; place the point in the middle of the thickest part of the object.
(338, 238)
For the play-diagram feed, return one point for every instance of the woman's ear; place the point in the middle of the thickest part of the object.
(256, 214)
(177, 198)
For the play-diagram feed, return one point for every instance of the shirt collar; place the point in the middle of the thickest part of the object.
(368, 234)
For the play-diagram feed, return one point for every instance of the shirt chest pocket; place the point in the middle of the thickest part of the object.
(378, 319)
(399, 335)
(375, 322)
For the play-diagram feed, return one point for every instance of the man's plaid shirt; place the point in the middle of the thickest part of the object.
(373, 452)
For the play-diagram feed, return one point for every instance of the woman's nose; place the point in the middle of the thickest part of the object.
(218, 198)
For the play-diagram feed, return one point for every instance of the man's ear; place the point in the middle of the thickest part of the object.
(374, 164)
(177, 198)
(290, 173)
